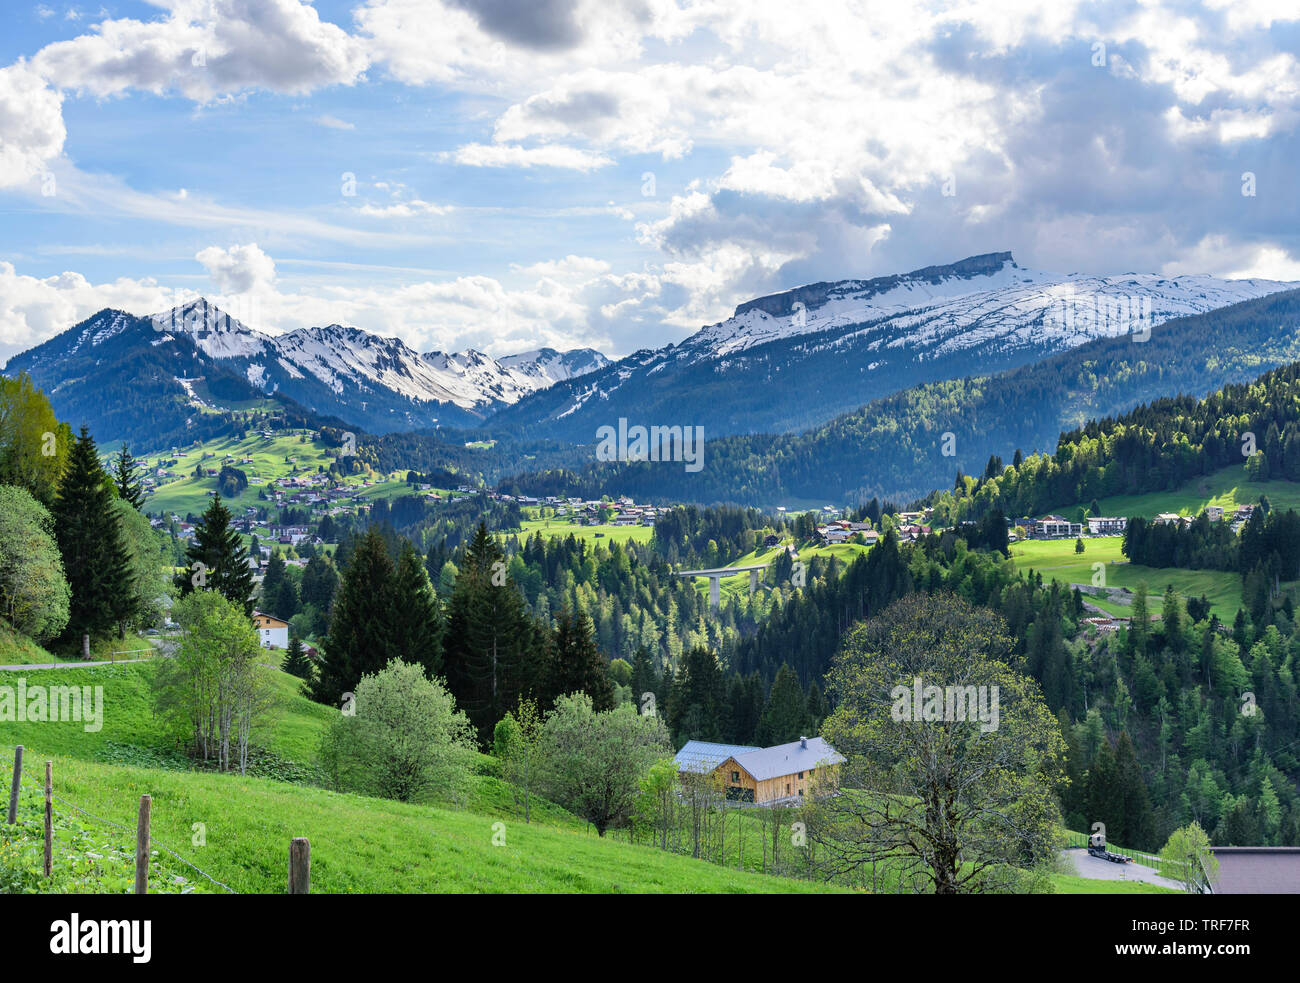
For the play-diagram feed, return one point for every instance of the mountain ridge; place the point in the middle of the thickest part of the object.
(834, 346)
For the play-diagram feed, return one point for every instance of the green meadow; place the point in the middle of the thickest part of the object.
(1056, 559)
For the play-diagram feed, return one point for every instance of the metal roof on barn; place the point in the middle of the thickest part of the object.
(702, 756)
(786, 759)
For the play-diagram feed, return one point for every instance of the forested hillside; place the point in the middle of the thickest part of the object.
(896, 447)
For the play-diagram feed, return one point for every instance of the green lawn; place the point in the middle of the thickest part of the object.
(1056, 559)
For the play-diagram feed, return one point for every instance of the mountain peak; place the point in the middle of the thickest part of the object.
(816, 294)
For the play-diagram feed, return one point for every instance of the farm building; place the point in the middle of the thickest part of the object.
(764, 776)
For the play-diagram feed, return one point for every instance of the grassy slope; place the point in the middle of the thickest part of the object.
(1228, 488)
(1056, 559)
(362, 845)
(19, 650)
(191, 494)
(358, 844)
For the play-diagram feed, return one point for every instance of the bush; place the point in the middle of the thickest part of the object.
(405, 740)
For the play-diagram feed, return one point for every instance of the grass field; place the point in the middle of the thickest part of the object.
(359, 844)
(563, 528)
(477, 843)
(1227, 488)
(269, 455)
(1056, 559)
(739, 584)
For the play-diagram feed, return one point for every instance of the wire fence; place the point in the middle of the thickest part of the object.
(39, 786)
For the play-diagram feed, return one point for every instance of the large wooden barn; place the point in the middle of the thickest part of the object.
(764, 776)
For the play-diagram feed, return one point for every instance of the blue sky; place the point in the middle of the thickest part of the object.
(497, 175)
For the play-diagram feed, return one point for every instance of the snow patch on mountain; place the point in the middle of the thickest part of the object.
(345, 359)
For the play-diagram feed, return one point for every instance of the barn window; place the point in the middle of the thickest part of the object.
(735, 776)
(801, 774)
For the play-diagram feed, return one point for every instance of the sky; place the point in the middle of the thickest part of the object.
(506, 175)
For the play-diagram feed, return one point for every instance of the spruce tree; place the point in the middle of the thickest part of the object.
(785, 718)
(126, 476)
(217, 559)
(95, 558)
(272, 579)
(644, 678)
(417, 618)
(1139, 821)
(360, 637)
(296, 662)
(286, 600)
(489, 647)
(576, 663)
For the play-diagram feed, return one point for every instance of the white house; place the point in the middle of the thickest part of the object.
(272, 632)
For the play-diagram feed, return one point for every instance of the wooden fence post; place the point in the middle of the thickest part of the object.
(49, 818)
(13, 789)
(299, 866)
(142, 846)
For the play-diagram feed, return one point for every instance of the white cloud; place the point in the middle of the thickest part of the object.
(207, 48)
(510, 155)
(33, 309)
(31, 125)
(239, 269)
(404, 209)
(334, 123)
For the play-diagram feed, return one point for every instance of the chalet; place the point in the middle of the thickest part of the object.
(1106, 525)
(763, 776)
(1167, 519)
(272, 632)
(1214, 513)
(770, 540)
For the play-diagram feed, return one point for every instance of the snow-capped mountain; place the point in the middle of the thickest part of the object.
(377, 382)
(799, 357)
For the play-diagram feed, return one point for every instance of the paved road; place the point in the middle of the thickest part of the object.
(1094, 868)
(165, 644)
(69, 665)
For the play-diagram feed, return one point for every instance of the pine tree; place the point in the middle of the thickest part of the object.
(1139, 822)
(816, 707)
(126, 477)
(785, 718)
(285, 603)
(490, 640)
(360, 638)
(272, 579)
(417, 618)
(644, 677)
(296, 662)
(218, 559)
(95, 558)
(576, 663)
